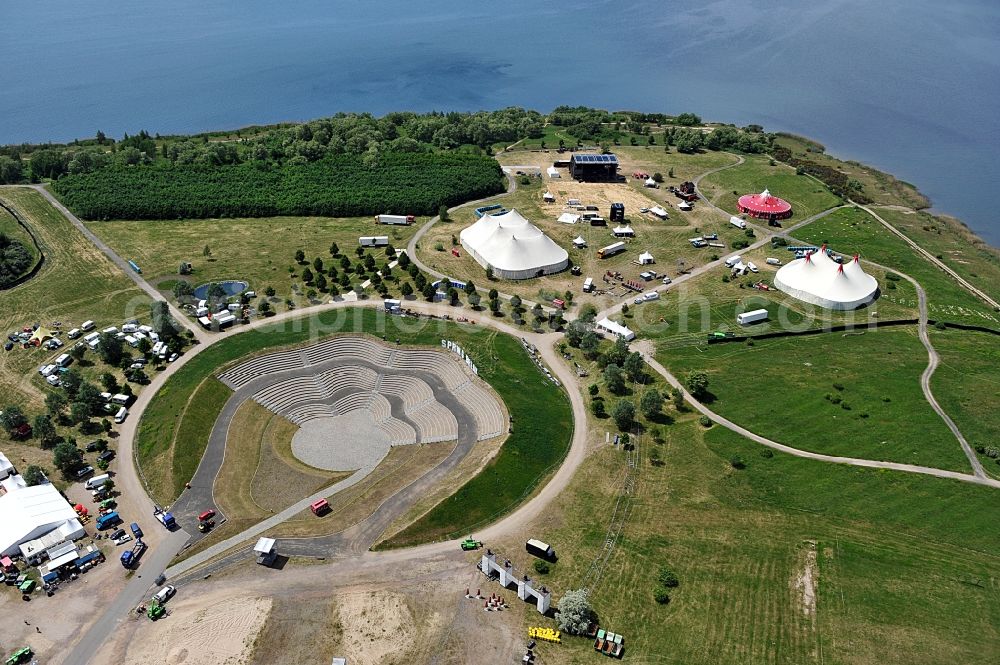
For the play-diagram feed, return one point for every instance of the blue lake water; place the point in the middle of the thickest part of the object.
(909, 86)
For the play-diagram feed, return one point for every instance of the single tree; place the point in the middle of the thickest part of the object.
(71, 382)
(470, 288)
(264, 308)
(269, 291)
(334, 249)
(110, 348)
(697, 384)
(45, 430)
(489, 273)
(318, 264)
(573, 612)
(77, 352)
(615, 379)
(300, 256)
(474, 299)
(79, 412)
(428, 291)
(34, 475)
(207, 251)
(515, 303)
(307, 276)
(651, 403)
(635, 367)
(55, 404)
(494, 294)
(320, 283)
(677, 397)
(590, 344)
(67, 458)
(406, 290)
(624, 414)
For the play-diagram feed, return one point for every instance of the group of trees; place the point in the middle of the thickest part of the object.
(339, 186)
(15, 260)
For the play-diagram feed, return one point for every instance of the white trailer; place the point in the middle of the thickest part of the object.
(373, 241)
(611, 250)
(87, 325)
(737, 222)
(74, 333)
(746, 318)
(397, 220)
(588, 285)
(773, 262)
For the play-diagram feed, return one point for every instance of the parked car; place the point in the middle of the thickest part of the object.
(106, 456)
(8, 346)
(97, 446)
(124, 538)
(172, 358)
(165, 594)
(84, 472)
(118, 533)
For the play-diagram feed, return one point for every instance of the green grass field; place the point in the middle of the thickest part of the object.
(902, 574)
(257, 250)
(852, 231)
(787, 390)
(529, 454)
(10, 228)
(806, 195)
(967, 385)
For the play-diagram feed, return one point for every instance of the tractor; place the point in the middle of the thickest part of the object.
(155, 610)
(470, 544)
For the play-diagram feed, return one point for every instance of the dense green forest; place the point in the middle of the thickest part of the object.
(335, 186)
(15, 259)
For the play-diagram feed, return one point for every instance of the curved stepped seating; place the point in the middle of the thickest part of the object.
(301, 414)
(349, 376)
(400, 434)
(435, 362)
(352, 402)
(244, 373)
(484, 408)
(344, 347)
(435, 423)
(286, 394)
(413, 392)
(379, 407)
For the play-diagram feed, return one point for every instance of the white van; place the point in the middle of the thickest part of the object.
(129, 328)
(74, 333)
(97, 481)
(121, 415)
(64, 360)
(87, 325)
(588, 285)
(120, 399)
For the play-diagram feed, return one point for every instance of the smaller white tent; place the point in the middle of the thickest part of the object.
(684, 205)
(568, 218)
(548, 197)
(553, 172)
(646, 258)
(579, 242)
(650, 183)
(609, 326)
(659, 212)
(623, 232)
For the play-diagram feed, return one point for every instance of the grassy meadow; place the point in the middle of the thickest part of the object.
(807, 195)
(894, 559)
(854, 394)
(260, 251)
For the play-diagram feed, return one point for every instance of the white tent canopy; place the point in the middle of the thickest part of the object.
(568, 218)
(513, 247)
(650, 182)
(579, 241)
(659, 212)
(553, 172)
(645, 258)
(820, 280)
(623, 231)
(609, 326)
(548, 197)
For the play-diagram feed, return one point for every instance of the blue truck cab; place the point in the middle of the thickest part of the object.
(108, 521)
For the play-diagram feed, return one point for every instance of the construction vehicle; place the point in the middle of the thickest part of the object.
(205, 526)
(20, 656)
(471, 544)
(155, 610)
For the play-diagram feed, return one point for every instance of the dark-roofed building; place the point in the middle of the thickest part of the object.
(594, 168)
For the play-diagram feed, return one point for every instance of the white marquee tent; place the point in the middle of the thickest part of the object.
(820, 280)
(513, 247)
(646, 258)
(579, 242)
(30, 512)
(568, 218)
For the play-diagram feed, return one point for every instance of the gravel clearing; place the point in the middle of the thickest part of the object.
(341, 443)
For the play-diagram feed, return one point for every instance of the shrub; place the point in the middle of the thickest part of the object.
(767, 453)
(838, 386)
(593, 389)
(667, 577)
(737, 462)
(541, 567)
(705, 421)
(661, 596)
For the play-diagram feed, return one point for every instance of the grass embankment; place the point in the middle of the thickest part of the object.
(900, 559)
(967, 386)
(261, 251)
(851, 231)
(10, 227)
(806, 195)
(953, 243)
(853, 394)
(541, 412)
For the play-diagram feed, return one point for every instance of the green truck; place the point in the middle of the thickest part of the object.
(22, 655)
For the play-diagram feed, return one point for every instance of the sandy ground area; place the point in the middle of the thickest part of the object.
(370, 614)
(212, 629)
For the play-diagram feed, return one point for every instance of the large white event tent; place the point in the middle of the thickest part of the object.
(513, 247)
(820, 280)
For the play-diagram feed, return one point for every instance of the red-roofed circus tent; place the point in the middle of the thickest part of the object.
(765, 206)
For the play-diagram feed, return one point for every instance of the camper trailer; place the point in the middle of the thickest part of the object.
(610, 250)
(373, 241)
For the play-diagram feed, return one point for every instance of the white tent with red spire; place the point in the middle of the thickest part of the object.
(820, 280)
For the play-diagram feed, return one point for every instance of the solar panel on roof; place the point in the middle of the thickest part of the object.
(595, 159)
